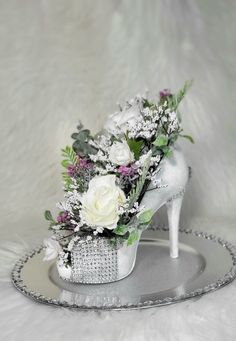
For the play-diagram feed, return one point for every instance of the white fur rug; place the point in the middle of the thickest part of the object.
(211, 317)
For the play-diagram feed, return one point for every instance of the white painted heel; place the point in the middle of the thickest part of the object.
(173, 212)
(174, 173)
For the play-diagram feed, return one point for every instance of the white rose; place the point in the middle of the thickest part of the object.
(120, 154)
(121, 120)
(101, 202)
(52, 248)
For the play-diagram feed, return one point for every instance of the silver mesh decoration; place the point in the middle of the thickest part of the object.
(94, 261)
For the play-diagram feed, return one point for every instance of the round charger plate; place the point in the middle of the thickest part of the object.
(205, 263)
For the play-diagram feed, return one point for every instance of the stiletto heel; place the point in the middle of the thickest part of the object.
(174, 173)
(173, 212)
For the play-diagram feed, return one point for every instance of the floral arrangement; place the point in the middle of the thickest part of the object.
(107, 175)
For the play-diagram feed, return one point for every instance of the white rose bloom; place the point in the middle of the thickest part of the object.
(122, 119)
(120, 154)
(101, 202)
(52, 248)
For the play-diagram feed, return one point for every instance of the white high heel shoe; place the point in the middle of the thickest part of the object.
(173, 177)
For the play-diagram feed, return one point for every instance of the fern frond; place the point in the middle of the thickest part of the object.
(69, 155)
(180, 95)
(135, 192)
(67, 181)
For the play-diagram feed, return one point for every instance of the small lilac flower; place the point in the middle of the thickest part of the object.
(59, 219)
(63, 217)
(165, 93)
(83, 163)
(71, 170)
(127, 171)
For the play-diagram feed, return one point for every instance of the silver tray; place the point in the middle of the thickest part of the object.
(206, 263)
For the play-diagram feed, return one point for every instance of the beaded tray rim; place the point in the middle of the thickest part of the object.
(221, 282)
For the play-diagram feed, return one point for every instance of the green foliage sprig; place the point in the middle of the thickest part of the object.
(70, 157)
(48, 216)
(174, 100)
(173, 103)
(135, 146)
(81, 144)
(135, 192)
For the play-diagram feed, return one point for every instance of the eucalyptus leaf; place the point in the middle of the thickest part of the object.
(84, 135)
(83, 148)
(75, 136)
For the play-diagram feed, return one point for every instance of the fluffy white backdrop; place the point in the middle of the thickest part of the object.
(61, 61)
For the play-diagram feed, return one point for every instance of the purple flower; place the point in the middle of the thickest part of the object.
(165, 93)
(63, 217)
(83, 163)
(71, 170)
(127, 171)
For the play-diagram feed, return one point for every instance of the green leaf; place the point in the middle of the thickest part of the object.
(83, 148)
(167, 151)
(135, 146)
(173, 137)
(67, 181)
(161, 140)
(133, 237)
(121, 230)
(69, 154)
(75, 136)
(145, 217)
(135, 192)
(180, 95)
(81, 144)
(188, 137)
(82, 135)
(48, 216)
(65, 163)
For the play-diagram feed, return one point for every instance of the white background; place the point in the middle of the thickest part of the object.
(61, 61)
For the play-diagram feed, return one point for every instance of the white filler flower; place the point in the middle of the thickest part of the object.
(52, 250)
(120, 154)
(122, 120)
(101, 202)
